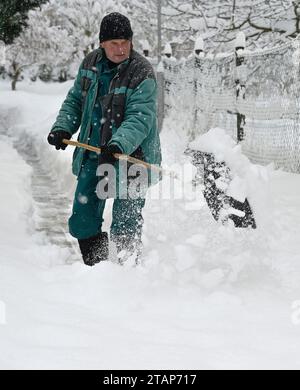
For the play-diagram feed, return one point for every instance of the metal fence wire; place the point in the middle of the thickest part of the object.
(254, 96)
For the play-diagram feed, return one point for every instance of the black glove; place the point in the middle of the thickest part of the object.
(107, 154)
(56, 137)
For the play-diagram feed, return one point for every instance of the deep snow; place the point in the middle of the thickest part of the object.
(206, 296)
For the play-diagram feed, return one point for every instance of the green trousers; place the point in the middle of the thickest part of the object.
(87, 215)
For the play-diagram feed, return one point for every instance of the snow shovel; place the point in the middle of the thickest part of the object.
(217, 177)
(222, 207)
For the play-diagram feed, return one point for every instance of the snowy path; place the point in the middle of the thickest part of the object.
(206, 297)
(51, 206)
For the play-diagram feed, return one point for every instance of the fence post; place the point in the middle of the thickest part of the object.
(160, 95)
(197, 64)
(240, 82)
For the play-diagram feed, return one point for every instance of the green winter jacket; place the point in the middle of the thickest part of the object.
(128, 111)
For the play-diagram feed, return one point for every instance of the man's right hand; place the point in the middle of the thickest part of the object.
(56, 138)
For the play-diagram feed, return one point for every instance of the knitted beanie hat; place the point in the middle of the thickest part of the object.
(115, 26)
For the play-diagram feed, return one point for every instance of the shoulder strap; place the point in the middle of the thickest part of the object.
(89, 63)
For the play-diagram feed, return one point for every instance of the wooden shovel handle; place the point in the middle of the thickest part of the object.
(80, 145)
(123, 157)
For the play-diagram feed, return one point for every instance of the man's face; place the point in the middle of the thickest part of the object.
(117, 50)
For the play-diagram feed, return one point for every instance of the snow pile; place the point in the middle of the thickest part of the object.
(247, 180)
(16, 200)
(28, 115)
(201, 252)
(206, 296)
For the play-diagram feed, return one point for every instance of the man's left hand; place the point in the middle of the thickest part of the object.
(107, 154)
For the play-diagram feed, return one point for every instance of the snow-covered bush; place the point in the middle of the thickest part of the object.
(41, 46)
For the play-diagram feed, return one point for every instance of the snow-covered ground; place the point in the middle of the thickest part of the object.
(205, 297)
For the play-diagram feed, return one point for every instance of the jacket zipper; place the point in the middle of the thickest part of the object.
(94, 102)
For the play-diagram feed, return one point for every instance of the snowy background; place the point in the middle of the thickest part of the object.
(206, 296)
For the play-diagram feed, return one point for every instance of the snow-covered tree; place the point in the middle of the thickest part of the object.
(265, 22)
(40, 45)
(62, 32)
(144, 14)
(82, 18)
(14, 17)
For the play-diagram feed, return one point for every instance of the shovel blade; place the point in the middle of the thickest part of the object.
(217, 178)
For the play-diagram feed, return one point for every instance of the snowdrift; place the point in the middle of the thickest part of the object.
(206, 296)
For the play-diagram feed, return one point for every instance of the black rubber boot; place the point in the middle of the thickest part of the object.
(94, 249)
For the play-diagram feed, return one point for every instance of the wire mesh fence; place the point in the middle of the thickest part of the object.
(253, 95)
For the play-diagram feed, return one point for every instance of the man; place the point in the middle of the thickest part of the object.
(114, 102)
